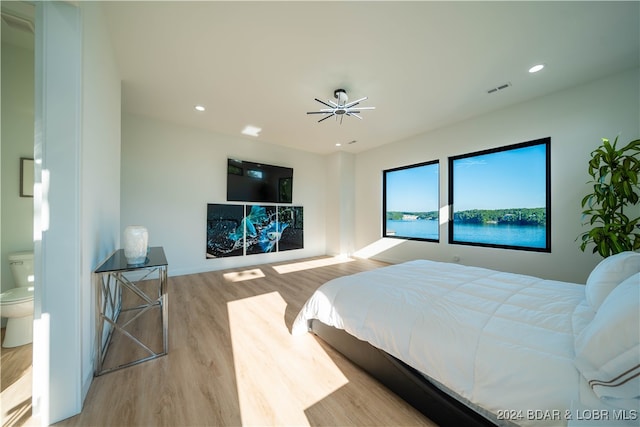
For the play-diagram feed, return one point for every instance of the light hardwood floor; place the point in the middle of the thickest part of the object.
(232, 360)
(15, 385)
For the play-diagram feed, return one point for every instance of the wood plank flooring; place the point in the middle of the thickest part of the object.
(15, 385)
(232, 360)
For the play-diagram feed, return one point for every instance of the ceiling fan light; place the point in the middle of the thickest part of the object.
(341, 108)
(341, 96)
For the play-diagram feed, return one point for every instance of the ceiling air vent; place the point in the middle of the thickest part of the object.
(497, 88)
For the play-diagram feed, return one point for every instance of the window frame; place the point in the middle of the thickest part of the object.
(546, 142)
(384, 200)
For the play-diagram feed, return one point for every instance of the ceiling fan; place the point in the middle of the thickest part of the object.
(340, 107)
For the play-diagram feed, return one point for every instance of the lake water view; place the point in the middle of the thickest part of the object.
(494, 234)
(421, 228)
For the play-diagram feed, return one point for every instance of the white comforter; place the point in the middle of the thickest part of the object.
(504, 342)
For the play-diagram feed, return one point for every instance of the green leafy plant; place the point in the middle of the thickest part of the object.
(615, 186)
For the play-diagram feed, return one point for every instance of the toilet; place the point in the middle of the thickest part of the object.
(17, 304)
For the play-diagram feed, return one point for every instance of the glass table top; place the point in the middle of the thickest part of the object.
(118, 262)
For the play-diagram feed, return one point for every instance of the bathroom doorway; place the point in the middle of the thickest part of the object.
(16, 203)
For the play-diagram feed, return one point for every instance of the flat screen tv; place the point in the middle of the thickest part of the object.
(258, 182)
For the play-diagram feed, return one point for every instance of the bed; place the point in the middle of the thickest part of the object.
(473, 346)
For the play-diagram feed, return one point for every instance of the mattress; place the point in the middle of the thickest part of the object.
(502, 342)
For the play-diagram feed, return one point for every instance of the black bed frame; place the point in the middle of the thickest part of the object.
(400, 378)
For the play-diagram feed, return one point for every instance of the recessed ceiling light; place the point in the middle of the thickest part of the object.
(338, 144)
(199, 108)
(251, 130)
(536, 68)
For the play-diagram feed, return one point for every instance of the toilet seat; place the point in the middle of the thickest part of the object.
(16, 295)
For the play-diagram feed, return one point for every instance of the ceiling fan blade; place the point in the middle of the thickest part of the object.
(341, 107)
(351, 104)
(322, 102)
(325, 118)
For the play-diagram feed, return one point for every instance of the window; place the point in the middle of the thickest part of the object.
(501, 197)
(411, 202)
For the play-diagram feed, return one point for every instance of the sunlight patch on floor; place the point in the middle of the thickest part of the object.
(278, 376)
(308, 265)
(15, 402)
(241, 276)
(377, 247)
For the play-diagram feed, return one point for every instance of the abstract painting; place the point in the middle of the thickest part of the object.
(225, 230)
(237, 230)
(262, 228)
(292, 228)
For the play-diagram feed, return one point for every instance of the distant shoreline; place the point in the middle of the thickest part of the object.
(514, 216)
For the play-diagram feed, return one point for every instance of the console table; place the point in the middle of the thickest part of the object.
(113, 277)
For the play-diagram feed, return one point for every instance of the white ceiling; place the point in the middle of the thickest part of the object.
(423, 65)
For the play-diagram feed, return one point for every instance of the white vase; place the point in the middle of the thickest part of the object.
(136, 240)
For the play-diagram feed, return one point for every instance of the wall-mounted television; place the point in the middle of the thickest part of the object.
(258, 182)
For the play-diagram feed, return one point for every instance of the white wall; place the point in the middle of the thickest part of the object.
(17, 142)
(575, 119)
(100, 183)
(340, 203)
(77, 208)
(57, 244)
(170, 172)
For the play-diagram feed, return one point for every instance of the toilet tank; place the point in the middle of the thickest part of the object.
(21, 264)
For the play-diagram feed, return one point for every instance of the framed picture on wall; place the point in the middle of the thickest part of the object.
(262, 229)
(291, 219)
(225, 230)
(26, 177)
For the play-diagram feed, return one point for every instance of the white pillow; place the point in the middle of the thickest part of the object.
(608, 274)
(608, 349)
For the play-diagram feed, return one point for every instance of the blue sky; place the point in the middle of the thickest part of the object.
(506, 179)
(501, 180)
(414, 189)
